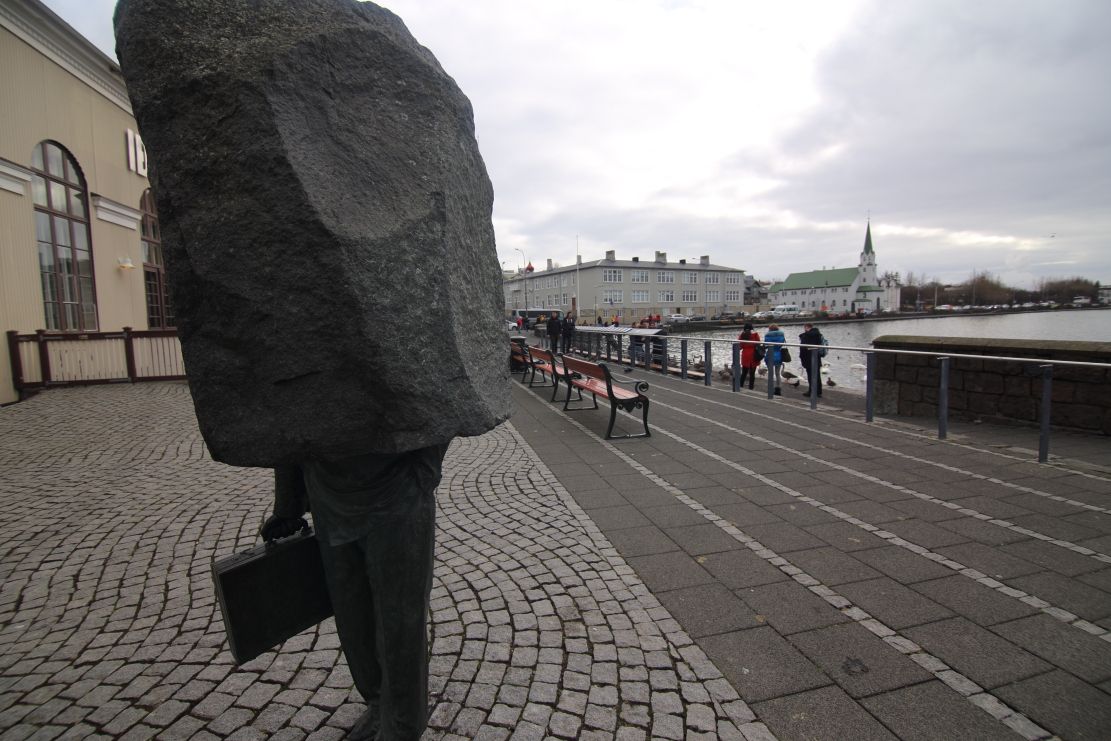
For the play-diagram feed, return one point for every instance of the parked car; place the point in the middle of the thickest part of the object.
(697, 318)
(676, 319)
(762, 315)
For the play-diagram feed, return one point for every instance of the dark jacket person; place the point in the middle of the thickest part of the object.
(811, 338)
(555, 324)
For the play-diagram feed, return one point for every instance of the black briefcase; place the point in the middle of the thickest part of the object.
(271, 593)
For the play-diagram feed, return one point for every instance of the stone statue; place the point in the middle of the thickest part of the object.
(325, 218)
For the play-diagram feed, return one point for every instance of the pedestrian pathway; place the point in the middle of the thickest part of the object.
(857, 580)
(753, 570)
(109, 627)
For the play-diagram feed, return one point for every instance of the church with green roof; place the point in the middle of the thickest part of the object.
(840, 289)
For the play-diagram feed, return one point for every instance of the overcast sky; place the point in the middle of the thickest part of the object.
(763, 134)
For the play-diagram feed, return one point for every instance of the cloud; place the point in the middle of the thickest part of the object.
(764, 134)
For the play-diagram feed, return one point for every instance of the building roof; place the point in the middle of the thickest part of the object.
(817, 279)
(629, 264)
(45, 31)
(869, 289)
(868, 239)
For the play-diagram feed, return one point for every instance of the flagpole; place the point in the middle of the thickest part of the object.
(578, 261)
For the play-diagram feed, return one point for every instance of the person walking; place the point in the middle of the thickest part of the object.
(567, 332)
(811, 337)
(749, 361)
(554, 327)
(773, 356)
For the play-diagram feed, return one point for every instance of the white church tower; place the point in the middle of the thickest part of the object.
(868, 260)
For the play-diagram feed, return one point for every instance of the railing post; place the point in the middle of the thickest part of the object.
(869, 386)
(1047, 411)
(707, 364)
(129, 354)
(814, 378)
(736, 366)
(943, 401)
(683, 359)
(619, 338)
(661, 344)
(44, 356)
(15, 360)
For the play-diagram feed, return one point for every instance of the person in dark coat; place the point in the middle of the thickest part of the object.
(567, 332)
(811, 337)
(555, 324)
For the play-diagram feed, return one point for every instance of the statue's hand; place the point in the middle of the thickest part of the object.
(277, 526)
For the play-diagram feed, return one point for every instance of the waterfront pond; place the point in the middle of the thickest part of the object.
(846, 367)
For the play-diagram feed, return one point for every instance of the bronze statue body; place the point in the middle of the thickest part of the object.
(315, 169)
(375, 518)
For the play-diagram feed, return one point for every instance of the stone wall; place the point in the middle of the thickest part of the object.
(995, 390)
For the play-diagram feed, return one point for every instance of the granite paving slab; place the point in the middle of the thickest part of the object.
(860, 665)
(976, 652)
(930, 711)
(825, 713)
(1064, 704)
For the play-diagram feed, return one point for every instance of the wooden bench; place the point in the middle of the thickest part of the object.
(547, 365)
(596, 379)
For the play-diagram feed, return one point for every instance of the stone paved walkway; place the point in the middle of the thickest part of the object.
(855, 580)
(109, 627)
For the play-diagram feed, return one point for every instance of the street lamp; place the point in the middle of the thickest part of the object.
(528, 271)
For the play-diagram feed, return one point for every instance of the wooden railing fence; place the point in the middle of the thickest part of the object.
(46, 359)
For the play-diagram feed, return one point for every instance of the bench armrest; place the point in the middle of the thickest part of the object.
(638, 385)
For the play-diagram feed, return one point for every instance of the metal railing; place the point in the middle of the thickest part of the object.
(46, 359)
(652, 351)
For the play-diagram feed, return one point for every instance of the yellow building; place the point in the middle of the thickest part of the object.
(79, 253)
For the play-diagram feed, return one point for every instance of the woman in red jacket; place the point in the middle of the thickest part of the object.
(749, 360)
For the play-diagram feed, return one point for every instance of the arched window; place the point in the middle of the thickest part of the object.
(160, 312)
(62, 231)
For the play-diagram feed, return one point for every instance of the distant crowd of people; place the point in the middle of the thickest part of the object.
(774, 353)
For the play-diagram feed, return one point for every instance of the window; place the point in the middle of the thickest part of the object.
(563, 280)
(64, 244)
(690, 277)
(733, 296)
(563, 299)
(665, 276)
(712, 297)
(611, 275)
(639, 276)
(667, 297)
(712, 279)
(613, 296)
(160, 312)
(640, 297)
(690, 296)
(732, 279)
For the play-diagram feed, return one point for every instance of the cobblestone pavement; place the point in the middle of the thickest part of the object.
(109, 627)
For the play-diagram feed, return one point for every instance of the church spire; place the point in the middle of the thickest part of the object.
(868, 239)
